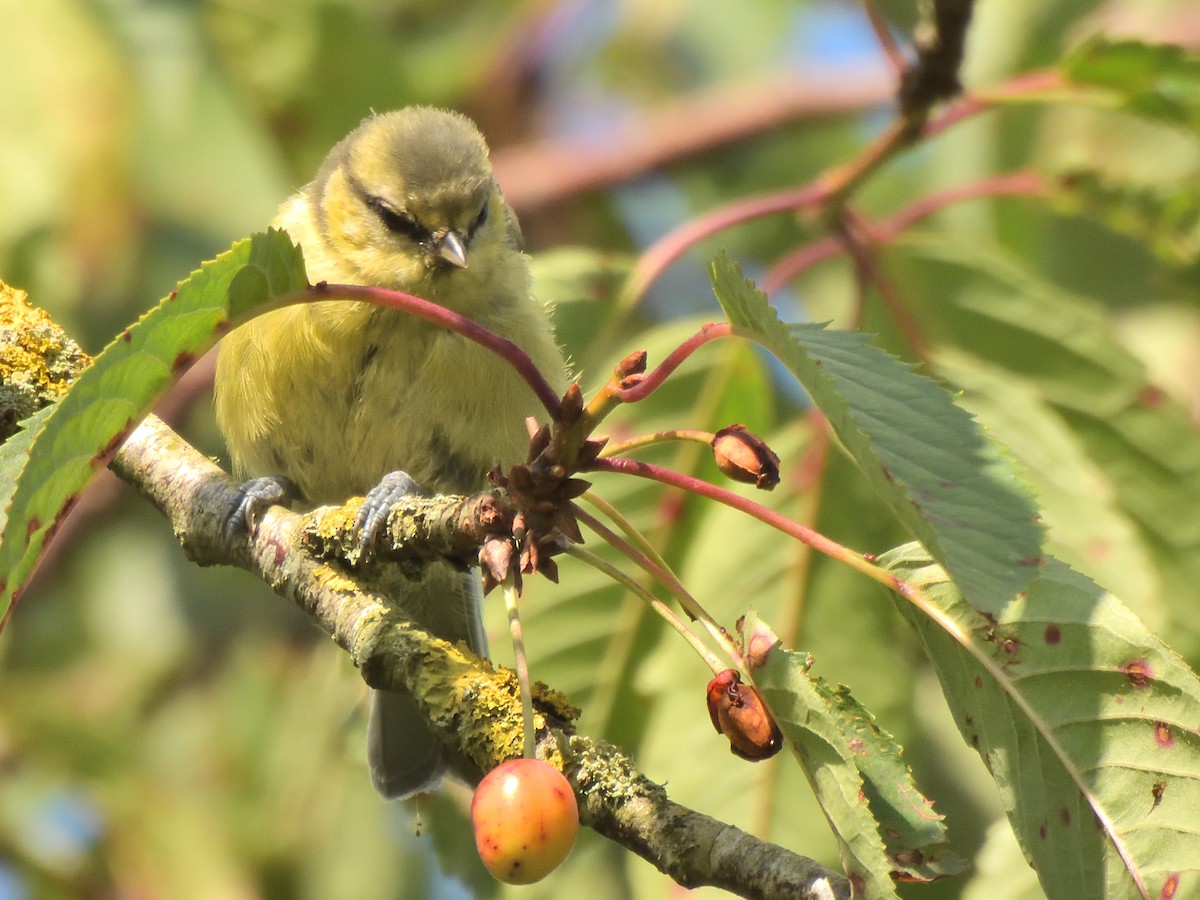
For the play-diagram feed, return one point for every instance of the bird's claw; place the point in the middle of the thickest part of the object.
(253, 499)
(393, 488)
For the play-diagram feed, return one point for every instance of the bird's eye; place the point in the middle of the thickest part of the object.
(398, 222)
(479, 219)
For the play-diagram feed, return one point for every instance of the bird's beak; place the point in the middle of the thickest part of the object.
(453, 249)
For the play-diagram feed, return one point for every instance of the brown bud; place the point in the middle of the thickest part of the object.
(738, 712)
(572, 405)
(631, 381)
(520, 478)
(590, 451)
(495, 557)
(529, 557)
(564, 521)
(633, 364)
(574, 487)
(745, 457)
(539, 442)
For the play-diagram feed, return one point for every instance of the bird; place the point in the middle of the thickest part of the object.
(322, 401)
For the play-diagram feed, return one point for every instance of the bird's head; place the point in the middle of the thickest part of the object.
(409, 198)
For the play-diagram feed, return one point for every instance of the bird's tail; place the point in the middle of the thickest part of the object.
(404, 755)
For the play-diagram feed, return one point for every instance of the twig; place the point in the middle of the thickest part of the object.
(529, 741)
(439, 315)
(665, 577)
(664, 612)
(940, 44)
(887, 42)
(674, 244)
(691, 435)
(802, 533)
(869, 273)
(1015, 89)
(887, 230)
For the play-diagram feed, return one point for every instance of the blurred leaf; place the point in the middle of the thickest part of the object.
(1000, 869)
(1066, 346)
(813, 726)
(925, 457)
(1166, 217)
(1085, 720)
(112, 395)
(579, 283)
(1152, 454)
(1160, 81)
(1063, 342)
(1086, 525)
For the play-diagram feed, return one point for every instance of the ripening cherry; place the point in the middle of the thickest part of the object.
(525, 819)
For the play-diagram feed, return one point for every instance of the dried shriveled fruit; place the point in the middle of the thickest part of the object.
(738, 712)
(745, 457)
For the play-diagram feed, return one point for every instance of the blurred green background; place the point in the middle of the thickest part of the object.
(171, 732)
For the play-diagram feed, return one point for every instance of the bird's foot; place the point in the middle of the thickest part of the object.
(253, 499)
(393, 488)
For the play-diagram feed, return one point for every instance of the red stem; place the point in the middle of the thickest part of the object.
(982, 101)
(886, 230)
(439, 315)
(674, 360)
(806, 535)
(869, 273)
(674, 244)
(659, 256)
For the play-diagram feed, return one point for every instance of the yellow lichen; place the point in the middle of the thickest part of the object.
(38, 362)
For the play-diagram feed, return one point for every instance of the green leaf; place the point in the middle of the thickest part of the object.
(926, 457)
(812, 727)
(1151, 453)
(14, 454)
(1063, 341)
(912, 832)
(112, 395)
(1086, 721)
(1067, 347)
(1086, 526)
(1158, 81)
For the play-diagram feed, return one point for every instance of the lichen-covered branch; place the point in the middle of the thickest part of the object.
(443, 527)
(38, 360)
(471, 705)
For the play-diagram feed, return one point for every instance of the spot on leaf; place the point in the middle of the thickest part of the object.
(1138, 672)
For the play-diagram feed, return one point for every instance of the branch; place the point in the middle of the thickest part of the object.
(470, 705)
(38, 360)
(941, 42)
